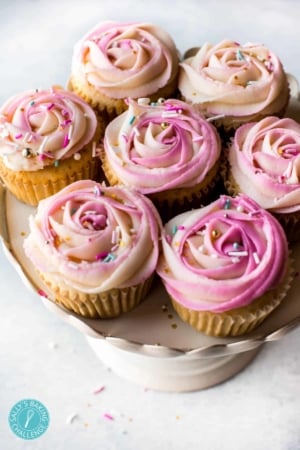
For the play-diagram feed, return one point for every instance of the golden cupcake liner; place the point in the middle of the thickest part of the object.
(103, 305)
(238, 321)
(175, 201)
(32, 186)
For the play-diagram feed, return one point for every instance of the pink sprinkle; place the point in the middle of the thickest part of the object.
(42, 293)
(125, 137)
(18, 136)
(168, 238)
(66, 122)
(181, 227)
(98, 390)
(50, 106)
(64, 112)
(108, 416)
(101, 255)
(66, 141)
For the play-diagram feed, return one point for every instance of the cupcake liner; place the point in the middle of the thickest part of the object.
(103, 305)
(238, 321)
(32, 186)
(175, 201)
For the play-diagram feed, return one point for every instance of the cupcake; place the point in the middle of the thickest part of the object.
(47, 140)
(225, 266)
(114, 61)
(95, 247)
(233, 84)
(167, 151)
(264, 163)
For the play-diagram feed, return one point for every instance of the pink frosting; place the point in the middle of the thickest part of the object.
(161, 146)
(234, 80)
(40, 127)
(126, 59)
(222, 256)
(265, 162)
(95, 238)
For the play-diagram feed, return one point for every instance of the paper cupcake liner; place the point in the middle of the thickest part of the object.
(175, 201)
(238, 321)
(103, 305)
(112, 107)
(32, 186)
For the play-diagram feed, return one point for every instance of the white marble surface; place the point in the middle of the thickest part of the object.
(43, 358)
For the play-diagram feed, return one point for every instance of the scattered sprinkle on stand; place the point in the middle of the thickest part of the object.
(70, 419)
(108, 416)
(98, 389)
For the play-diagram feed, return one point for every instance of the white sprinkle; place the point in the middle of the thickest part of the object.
(77, 156)
(254, 213)
(169, 114)
(241, 253)
(143, 101)
(219, 116)
(94, 150)
(256, 258)
(70, 132)
(70, 419)
(240, 208)
(114, 237)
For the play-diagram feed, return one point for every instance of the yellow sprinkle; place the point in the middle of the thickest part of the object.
(215, 234)
(122, 244)
(23, 233)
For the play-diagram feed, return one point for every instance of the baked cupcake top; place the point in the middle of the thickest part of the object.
(95, 237)
(234, 80)
(126, 59)
(222, 256)
(264, 161)
(160, 146)
(40, 127)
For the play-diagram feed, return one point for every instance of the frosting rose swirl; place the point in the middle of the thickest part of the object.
(126, 60)
(40, 127)
(222, 256)
(234, 80)
(164, 145)
(96, 237)
(265, 162)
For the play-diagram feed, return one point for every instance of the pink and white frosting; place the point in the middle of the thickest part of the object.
(95, 238)
(264, 161)
(161, 146)
(126, 59)
(222, 256)
(40, 127)
(234, 80)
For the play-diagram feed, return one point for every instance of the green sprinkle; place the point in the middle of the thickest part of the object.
(174, 229)
(131, 120)
(56, 163)
(32, 103)
(239, 55)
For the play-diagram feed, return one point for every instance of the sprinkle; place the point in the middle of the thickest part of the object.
(227, 204)
(56, 163)
(215, 234)
(143, 101)
(240, 56)
(70, 419)
(50, 106)
(32, 103)
(131, 120)
(169, 113)
(125, 137)
(42, 293)
(256, 257)
(181, 227)
(240, 208)
(98, 390)
(18, 136)
(26, 153)
(101, 255)
(238, 253)
(70, 132)
(73, 211)
(174, 229)
(161, 101)
(64, 112)
(66, 141)
(168, 238)
(77, 156)
(201, 248)
(235, 245)
(110, 257)
(153, 104)
(94, 149)
(164, 125)
(108, 416)
(174, 326)
(254, 213)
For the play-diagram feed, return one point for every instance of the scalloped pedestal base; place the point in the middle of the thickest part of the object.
(173, 374)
